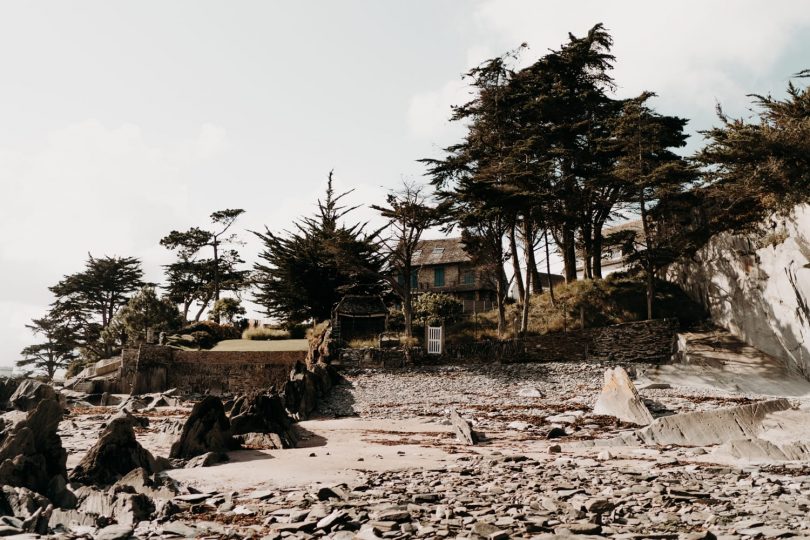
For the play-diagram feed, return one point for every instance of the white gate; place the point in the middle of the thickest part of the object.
(435, 339)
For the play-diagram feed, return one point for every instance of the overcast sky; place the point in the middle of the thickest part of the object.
(120, 121)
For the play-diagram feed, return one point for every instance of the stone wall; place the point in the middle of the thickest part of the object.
(155, 368)
(644, 341)
(219, 372)
(757, 285)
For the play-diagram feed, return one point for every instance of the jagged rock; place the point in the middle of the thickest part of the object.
(114, 532)
(7, 388)
(134, 421)
(620, 399)
(29, 393)
(206, 430)
(704, 428)
(305, 386)
(206, 460)
(262, 413)
(140, 481)
(32, 455)
(116, 453)
(263, 441)
(32, 509)
(464, 432)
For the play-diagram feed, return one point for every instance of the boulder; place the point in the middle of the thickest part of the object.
(29, 393)
(31, 454)
(206, 430)
(464, 432)
(116, 453)
(262, 413)
(620, 399)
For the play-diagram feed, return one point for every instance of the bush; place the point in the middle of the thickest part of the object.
(298, 331)
(203, 335)
(436, 308)
(265, 334)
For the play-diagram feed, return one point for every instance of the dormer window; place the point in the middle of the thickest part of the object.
(438, 251)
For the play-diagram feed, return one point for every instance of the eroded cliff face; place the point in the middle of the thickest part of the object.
(758, 285)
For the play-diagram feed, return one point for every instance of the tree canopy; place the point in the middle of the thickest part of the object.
(303, 273)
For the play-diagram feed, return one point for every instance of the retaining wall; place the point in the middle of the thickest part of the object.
(644, 341)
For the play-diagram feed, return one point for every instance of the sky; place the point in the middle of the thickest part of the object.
(123, 120)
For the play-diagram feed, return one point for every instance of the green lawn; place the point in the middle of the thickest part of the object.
(257, 345)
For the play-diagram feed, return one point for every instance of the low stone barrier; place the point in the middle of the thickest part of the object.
(643, 341)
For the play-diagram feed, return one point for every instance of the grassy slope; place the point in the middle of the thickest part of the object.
(616, 299)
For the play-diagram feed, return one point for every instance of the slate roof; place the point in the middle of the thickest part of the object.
(440, 251)
(355, 305)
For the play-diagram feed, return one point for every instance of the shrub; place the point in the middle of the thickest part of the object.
(265, 334)
(436, 308)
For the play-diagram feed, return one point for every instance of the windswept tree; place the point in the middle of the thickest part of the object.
(471, 177)
(196, 278)
(756, 167)
(651, 173)
(56, 350)
(303, 273)
(410, 213)
(88, 300)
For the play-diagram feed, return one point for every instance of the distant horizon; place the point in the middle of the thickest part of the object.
(121, 122)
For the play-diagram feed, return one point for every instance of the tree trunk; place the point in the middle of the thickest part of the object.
(537, 285)
(524, 320)
(548, 269)
(648, 264)
(216, 275)
(407, 304)
(587, 253)
(597, 251)
(569, 252)
(500, 291)
(515, 262)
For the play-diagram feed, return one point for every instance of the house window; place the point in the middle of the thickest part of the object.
(414, 279)
(438, 276)
(438, 251)
(468, 277)
(417, 253)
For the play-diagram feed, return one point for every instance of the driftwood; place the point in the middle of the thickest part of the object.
(464, 432)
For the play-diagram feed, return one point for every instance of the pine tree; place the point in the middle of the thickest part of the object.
(305, 272)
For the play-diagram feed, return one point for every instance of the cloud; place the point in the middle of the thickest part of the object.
(89, 188)
(692, 53)
(429, 112)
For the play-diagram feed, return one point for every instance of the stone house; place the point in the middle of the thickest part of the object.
(444, 266)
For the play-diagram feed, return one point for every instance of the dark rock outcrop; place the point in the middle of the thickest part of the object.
(7, 389)
(306, 386)
(206, 430)
(262, 413)
(32, 456)
(116, 453)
